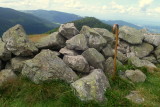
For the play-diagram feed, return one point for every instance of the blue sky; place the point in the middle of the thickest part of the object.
(135, 11)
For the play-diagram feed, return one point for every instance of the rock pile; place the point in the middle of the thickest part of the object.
(67, 53)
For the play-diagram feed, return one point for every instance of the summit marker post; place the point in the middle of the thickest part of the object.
(115, 30)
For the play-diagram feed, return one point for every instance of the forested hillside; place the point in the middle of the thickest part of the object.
(88, 21)
(54, 16)
(32, 24)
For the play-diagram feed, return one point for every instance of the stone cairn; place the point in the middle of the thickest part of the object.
(80, 58)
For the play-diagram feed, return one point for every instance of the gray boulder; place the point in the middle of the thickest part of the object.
(135, 75)
(151, 59)
(78, 42)
(124, 47)
(53, 41)
(152, 39)
(6, 75)
(142, 50)
(77, 63)
(92, 87)
(141, 63)
(157, 53)
(135, 97)
(95, 40)
(66, 51)
(131, 35)
(47, 66)
(94, 58)
(4, 53)
(109, 66)
(106, 34)
(108, 51)
(17, 42)
(68, 30)
(120, 56)
(17, 63)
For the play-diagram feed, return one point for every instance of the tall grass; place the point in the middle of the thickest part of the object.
(24, 93)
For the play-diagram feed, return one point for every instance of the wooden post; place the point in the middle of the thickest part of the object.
(116, 32)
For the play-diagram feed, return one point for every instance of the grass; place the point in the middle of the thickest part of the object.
(24, 93)
(35, 38)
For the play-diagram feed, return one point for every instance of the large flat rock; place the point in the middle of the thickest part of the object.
(131, 35)
(47, 66)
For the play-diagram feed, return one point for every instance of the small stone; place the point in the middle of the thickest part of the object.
(140, 63)
(77, 63)
(78, 42)
(6, 75)
(66, 51)
(135, 97)
(68, 30)
(94, 58)
(95, 40)
(135, 75)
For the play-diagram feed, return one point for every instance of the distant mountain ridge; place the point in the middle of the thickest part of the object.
(54, 16)
(32, 24)
(122, 23)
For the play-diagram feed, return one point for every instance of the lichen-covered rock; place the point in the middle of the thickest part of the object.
(135, 75)
(152, 39)
(48, 66)
(94, 58)
(66, 51)
(106, 34)
(109, 66)
(17, 63)
(142, 50)
(92, 87)
(108, 51)
(95, 40)
(121, 57)
(141, 63)
(150, 58)
(78, 42)
(4, 53)
(53, 41)
(124, 47)
(131, 35)
(135, 97)
(68, 30)
(6, 75)
(17, 42)
(157, 53)
(77, 63)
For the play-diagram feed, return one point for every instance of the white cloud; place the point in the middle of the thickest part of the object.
(83, 8)
(144, 4)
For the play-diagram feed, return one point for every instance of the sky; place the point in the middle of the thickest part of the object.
(135, 11)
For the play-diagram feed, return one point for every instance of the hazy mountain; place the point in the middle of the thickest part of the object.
(32, 24)
(54, 16)
(89, 21)
(153, 29)
(122, 23)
